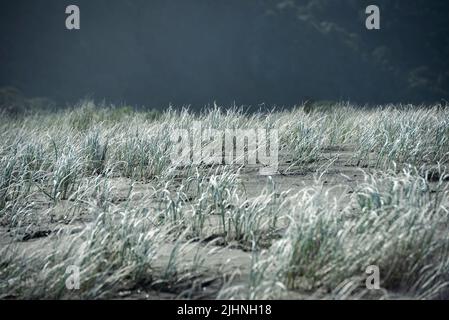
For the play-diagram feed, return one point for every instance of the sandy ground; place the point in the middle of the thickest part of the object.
(223, 263)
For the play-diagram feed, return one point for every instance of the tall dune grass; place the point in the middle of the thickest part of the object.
(65, 167)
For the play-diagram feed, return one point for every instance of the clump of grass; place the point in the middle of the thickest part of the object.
(65, 175)
(144, 156)
(215, 205)
(392, 222)
(306, 135)
(83, 116)
(408, 135)
(120, 250)
(96, 151)
(15, 177)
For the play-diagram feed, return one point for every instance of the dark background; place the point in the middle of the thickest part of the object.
(195, 52)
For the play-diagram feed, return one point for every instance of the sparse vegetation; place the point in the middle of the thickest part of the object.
(95, 187)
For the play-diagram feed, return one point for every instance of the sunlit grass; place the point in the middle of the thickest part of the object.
(65, 167)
